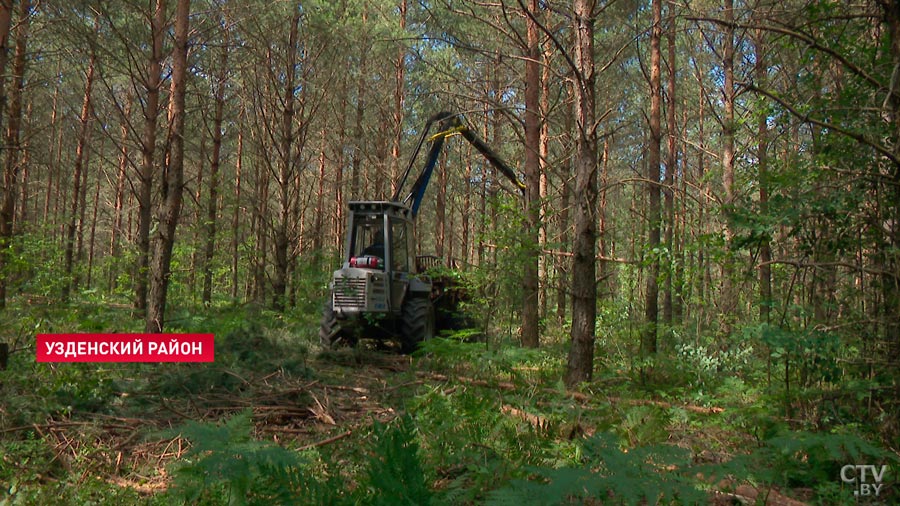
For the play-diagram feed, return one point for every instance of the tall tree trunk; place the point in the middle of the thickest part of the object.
(53, 168)
(170, 207)
(82, 204)
(212, 206)
(651, 307)
(24, 162)
(532, 168)
(671, 170)
(93, 234)
(235, 218)
(467, 209)
(440, 207)
(318, 232)
(116, 232)
(703, 280)
(148, 152)
(358, 135)
(12, 162)
(198, 219)
(762, 156)
(399, 103)
(80, 162)
(562, 261)
(890, 279)
(282, 242)
(728, 298)
(580, 363)
(602, 217)
(482, 194)
(60, 194)
(544, 191)
(6, 12)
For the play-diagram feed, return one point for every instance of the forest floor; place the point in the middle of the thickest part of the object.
(470, 423)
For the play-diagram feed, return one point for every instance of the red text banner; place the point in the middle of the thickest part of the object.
(125, 347)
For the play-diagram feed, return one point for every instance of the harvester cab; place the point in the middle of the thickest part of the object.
(381, 290)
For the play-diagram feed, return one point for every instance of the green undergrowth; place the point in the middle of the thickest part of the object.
(61, 424)
(460, 422)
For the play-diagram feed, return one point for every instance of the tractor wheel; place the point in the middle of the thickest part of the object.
(417, 323)
(331, 334)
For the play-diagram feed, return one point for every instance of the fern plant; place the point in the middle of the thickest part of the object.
(804, 459)
(395, 472)
(645, 475)
(226, 466)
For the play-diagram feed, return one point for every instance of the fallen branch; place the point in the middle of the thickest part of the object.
(663, 404)
(578, 396)
(538, 422)
(358, 390)
(749, 495)
(324, 442)
(59, 425)
(402, 385)
(502, 385)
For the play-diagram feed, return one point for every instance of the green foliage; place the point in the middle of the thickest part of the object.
(499, 359)
(811, 349)
(608, 474)
(707, 363)
(26, 460)
(803, 459)
(243, 351)
(645, 425)
(395, 472)
(33, 473)
(225, 465)
(32, 265)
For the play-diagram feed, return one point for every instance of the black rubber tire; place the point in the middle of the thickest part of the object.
(416, 323)
(331, 335)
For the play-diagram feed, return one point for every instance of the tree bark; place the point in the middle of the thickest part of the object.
(235, 218)
(212, 205)
(440, 207)
(580, 363)
(728, 299)
(172, 188)
(148, 151)
(82, 204)
(563, 262)
(467, 209)
(399, 103)
(704, 279)
(654, 164)
(12, 162)
(671, 170)
(532, 168)
(80, 155)
(93, 234)
(281, 238)
(358, 137)
(321, 210)
(116, 232)
(52, 168)
(24, 168)
(6, 12)
(762, 156)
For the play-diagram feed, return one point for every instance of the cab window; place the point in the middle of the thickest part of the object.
(399, 246)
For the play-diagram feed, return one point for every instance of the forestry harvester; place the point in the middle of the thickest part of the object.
(381, 290)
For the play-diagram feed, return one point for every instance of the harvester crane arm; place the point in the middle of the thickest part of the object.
(450, 124)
